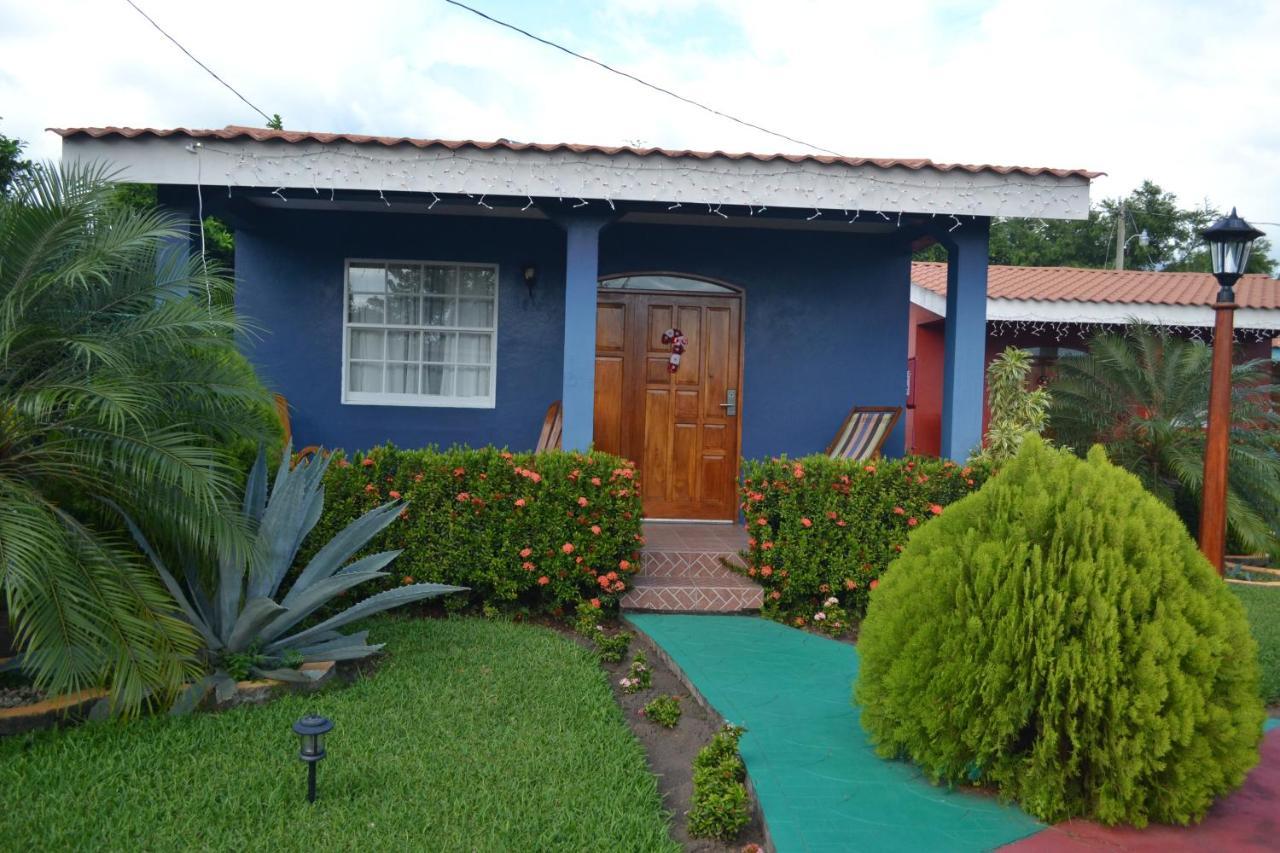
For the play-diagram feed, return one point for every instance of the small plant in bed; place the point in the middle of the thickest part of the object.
(663, 710)
(720, 806)
(249, 628)
(612, 648)
(639, 676)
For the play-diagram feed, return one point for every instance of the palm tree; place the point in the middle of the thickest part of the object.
(121, 390)
(1144, 395)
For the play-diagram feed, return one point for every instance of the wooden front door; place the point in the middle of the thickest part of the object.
(678, 427)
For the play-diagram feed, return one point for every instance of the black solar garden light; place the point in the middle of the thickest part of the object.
(311, 730)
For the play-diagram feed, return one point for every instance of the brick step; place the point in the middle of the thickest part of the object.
(667, 563)
(732, 594)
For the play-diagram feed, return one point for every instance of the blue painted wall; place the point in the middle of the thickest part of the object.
(826, 320)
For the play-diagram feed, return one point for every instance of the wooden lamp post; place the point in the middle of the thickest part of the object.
(1229, 239)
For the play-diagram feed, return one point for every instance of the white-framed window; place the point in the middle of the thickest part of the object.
(420, 333)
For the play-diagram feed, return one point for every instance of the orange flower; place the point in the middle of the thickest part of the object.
(804, 522)
(595, 602)
(406, 580)
(417, 478)
(602, 580)
(936, 509)
(761, 521)
(342, 463)
(767, 546)
(775, 595)
(595, 528)
(595, 481)
(567, 547)
(849, 583)
(519, 502)
(766, 571)
(395, 496)
(912, 521)
(613, 576)
(544, 580)
(527, 566)
(464, 497)
(619, 586)
(370, 487)
(897, 510)
(870, 469)
(842, 523)
(582, 501)
(875, 583)
(524, 552)
(404, 514)
(798, 472)
(624, 565)
(366, 462)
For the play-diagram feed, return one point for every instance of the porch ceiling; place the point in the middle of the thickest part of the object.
(597, 176)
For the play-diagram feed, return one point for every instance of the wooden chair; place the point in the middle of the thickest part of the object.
(282, 411)
(552, 426)
(864, 432)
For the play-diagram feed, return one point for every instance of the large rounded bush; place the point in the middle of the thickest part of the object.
(1057, 635)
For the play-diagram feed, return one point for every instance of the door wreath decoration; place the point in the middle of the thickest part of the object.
(678, 342)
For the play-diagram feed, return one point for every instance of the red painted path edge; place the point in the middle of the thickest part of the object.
(1246, 820)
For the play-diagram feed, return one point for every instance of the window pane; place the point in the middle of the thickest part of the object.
(402, 310)
(365, 377)
(440, 346)
(365, 307)
(473, 381)
(473, 349)
(439, 280)
(475, 312)
(402, 379)
(366, 343)
(367, 278)
(403, 278)
(437, 381)
(475, 281)
(664, 282)
(438, 312)
(403, 346)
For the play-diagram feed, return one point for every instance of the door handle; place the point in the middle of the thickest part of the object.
(730, 404)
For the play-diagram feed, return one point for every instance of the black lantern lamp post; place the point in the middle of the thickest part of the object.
(311, 731)
(1229, 239)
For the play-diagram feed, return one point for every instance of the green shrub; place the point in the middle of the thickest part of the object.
(612, 648)
(548, 531)
(720, 806)
(1059, 636)
(663, 710)
(639, 676)
(821, 527)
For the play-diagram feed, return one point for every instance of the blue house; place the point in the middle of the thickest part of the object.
(426, 291)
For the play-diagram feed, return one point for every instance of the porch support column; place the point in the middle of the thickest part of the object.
(176, 249)
(581, 273)
(963, 372)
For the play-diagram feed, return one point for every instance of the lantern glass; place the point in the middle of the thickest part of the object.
(1230, 239)
(312, 744)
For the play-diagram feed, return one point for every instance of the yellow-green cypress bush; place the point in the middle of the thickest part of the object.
(1058, 635)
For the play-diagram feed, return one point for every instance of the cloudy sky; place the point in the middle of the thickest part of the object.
(1184, 93)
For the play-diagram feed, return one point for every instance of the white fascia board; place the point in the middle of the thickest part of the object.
(1101, 313)
(590, 175)
(930, 301)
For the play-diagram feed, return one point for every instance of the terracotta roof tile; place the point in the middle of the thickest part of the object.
(235, 132)
(1071, 284)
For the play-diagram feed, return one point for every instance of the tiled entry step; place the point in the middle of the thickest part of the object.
(682, 571)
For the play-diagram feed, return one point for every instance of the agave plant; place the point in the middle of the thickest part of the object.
(246, 626)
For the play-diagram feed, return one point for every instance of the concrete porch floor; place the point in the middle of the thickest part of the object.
(682, 570)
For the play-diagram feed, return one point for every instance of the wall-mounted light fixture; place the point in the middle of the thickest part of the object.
(530, 273)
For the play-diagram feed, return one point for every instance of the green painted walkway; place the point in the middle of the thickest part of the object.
(820, 784)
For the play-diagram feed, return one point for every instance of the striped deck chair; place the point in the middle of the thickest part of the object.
(552, 426)
(863, 432)
(282, 412)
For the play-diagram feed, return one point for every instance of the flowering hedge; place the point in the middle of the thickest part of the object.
(821, 528)
(546, 531)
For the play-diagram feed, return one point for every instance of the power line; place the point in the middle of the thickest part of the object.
(642, 82)
(196, 61)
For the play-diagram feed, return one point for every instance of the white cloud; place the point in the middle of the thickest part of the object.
(1180, 92)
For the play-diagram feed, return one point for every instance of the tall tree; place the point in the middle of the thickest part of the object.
(1172, 240)
(12, 163)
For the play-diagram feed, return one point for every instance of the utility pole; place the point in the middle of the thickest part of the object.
(1120, 239)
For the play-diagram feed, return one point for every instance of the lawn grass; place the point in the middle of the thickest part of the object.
(472, 735)
(1262, 604)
